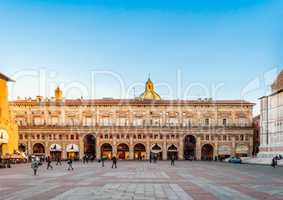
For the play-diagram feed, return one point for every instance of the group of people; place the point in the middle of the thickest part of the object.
(114, 161)
(153, 158)
(37, 162)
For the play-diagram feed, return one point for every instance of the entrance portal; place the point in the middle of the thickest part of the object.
(156, 152)
(139, 152)
(172, 152)
(89, 146)
(207, 152)
(55, 151)
(189, 147)
(38, 149)
(106, 151)
(22, 148)
(123, 151)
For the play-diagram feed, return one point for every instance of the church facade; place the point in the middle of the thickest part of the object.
(271, 121)
(134, 128)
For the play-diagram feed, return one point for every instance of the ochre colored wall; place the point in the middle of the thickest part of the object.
(7, 122)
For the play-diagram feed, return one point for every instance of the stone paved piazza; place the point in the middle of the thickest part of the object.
(141, 180)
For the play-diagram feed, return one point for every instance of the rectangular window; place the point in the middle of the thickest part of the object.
(138, 122)
(54, 121)
(38, 121)
(224, 122)
(206, 122)
(88, 121)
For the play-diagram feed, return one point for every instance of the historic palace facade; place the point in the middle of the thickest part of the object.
(134, 128)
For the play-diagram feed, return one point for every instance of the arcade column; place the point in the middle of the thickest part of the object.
(81, 145)
(164, 151)
(97, 148)
(233, 146)
(114, 148)
(181, 149)
(147, 149)
(198, 148)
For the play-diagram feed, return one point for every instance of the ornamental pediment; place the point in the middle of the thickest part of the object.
(156, 114)
(87, 113)
(55, 113)
(225, 114)
(139, 114)
(37, 112)
(105, 114)
(241, 115)
(172, 114)
(188, 114)
(122, 113)
(208, 115)
(71, 113)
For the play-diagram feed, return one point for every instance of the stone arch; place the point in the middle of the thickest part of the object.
(22, 147)
(189, 147)
(55, 151)
(156, 151)
(172, 151)
(90, 145)
(139, 151)
(38, 149)
(123, 151)
(106, 150)
(207, 152)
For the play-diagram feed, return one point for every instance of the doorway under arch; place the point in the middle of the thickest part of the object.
(90, 146)
(38, 149)
(106, 151)
(156, 152)
(123, 151)
(22, 148)
(189, 147)
(139, 152)
(207, 152)
(172, 151)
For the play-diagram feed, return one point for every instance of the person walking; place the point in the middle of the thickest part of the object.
(70, 164)
(59, 161)
(114, 160)
(173, 160)
(273, 163)
(102, 161)
(49, 163)
(34, 166)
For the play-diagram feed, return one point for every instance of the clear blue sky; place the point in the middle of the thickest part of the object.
(237, 44)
